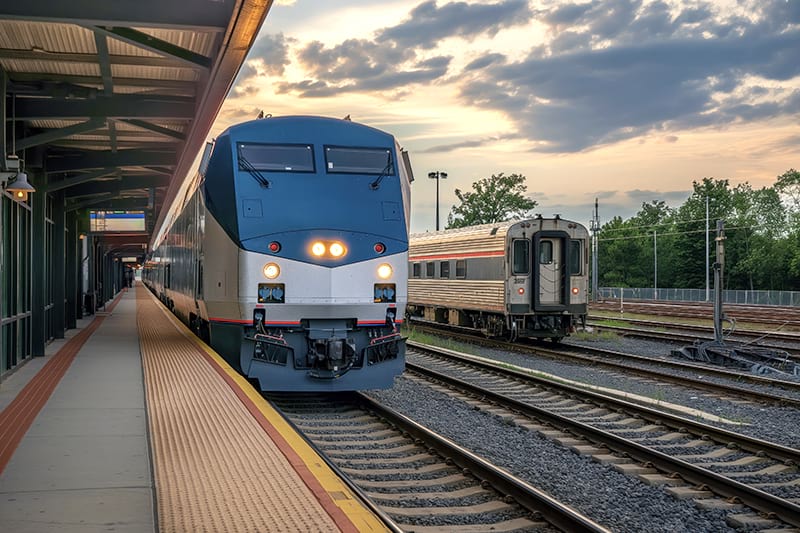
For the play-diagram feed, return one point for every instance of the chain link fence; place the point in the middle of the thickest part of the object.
(782, 298)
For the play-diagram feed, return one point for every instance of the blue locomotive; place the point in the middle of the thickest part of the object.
(289, 253)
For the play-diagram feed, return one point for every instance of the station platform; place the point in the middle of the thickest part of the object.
(132, 424)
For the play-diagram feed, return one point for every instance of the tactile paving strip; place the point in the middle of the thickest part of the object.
(215, 469)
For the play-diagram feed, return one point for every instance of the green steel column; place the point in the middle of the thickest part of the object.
(71, 271)
(38, 261)
(59, 265)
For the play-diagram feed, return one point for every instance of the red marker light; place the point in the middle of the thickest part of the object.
(575, 290)
(379, 247)
(521, 290)
(274, 247)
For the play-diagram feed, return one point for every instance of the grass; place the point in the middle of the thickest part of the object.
(612, 322)
(596, 336)
(450, 344)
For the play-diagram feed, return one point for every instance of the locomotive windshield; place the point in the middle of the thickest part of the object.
(348, 160)
(276, 157)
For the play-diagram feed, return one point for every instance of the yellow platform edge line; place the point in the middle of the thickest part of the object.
(363, 518)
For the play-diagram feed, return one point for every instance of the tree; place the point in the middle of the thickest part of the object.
(493, 199)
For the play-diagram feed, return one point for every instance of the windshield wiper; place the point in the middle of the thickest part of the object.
(248, 166)
(375, 184)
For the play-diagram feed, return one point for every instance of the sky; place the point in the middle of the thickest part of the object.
(622, 101)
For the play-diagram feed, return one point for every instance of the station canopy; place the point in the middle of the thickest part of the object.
(110, 102)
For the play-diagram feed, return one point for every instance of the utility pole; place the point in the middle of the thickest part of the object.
(595, 231)
(719, 268)
(655, 265)
(707, 269)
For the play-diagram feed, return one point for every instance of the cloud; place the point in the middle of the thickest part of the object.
(270, 53)
(400, 55)
(471, 143)
(606, 70)
(428, 23)
(269, 56)
(577, 100)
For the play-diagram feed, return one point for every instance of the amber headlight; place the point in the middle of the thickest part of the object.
(271, 270)
(318, 249)
(337, 249)
(385, 271)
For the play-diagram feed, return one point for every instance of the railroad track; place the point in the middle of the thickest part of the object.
(417, 480)
(693, 459)
(787, 316)
(686, 336)
(788, 338)
(650, 367)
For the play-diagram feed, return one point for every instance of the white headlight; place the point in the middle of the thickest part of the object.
(271, 270)
(385, 271)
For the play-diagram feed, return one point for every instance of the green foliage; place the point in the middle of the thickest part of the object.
(762, 238)
(493, 199)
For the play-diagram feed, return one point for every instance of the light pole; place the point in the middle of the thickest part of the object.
(436, 176)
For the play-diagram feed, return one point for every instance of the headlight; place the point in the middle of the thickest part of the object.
(336, 249)
(271, 270)
(385, 271)
(318, 249)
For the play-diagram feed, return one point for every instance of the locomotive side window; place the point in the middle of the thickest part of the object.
(521, 258)
(461, 268)
(444, 269)
(546, 252)
(575, 263)
(416, 270)
(430, 269)
(359, 160)
(276, 157)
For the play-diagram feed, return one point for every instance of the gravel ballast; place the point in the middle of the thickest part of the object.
(615, 500)
(769, 422)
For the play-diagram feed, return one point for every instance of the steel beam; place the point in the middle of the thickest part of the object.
(59, 265)
(77, 180)
(3, 86)
(71, 285)
(116, 106)
(111, 202)
(105, 159)
(67, 57)
(60, 133)
(104, 63)
(125, 184)
(155, 128)
(153, 44)
(39, 258)
(93, 201)
(209, 16)
(187, 87)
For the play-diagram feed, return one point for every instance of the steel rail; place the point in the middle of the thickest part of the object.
(390, 524)
(674, 336)
(753, 497)
(569, 351)
(785, 336)
(555, 512)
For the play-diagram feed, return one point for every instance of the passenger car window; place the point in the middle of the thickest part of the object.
(430, 271)
(545, 252)
(416, 270)
(461, 268)
(444, 269)
(521, 258)
(575, 260)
